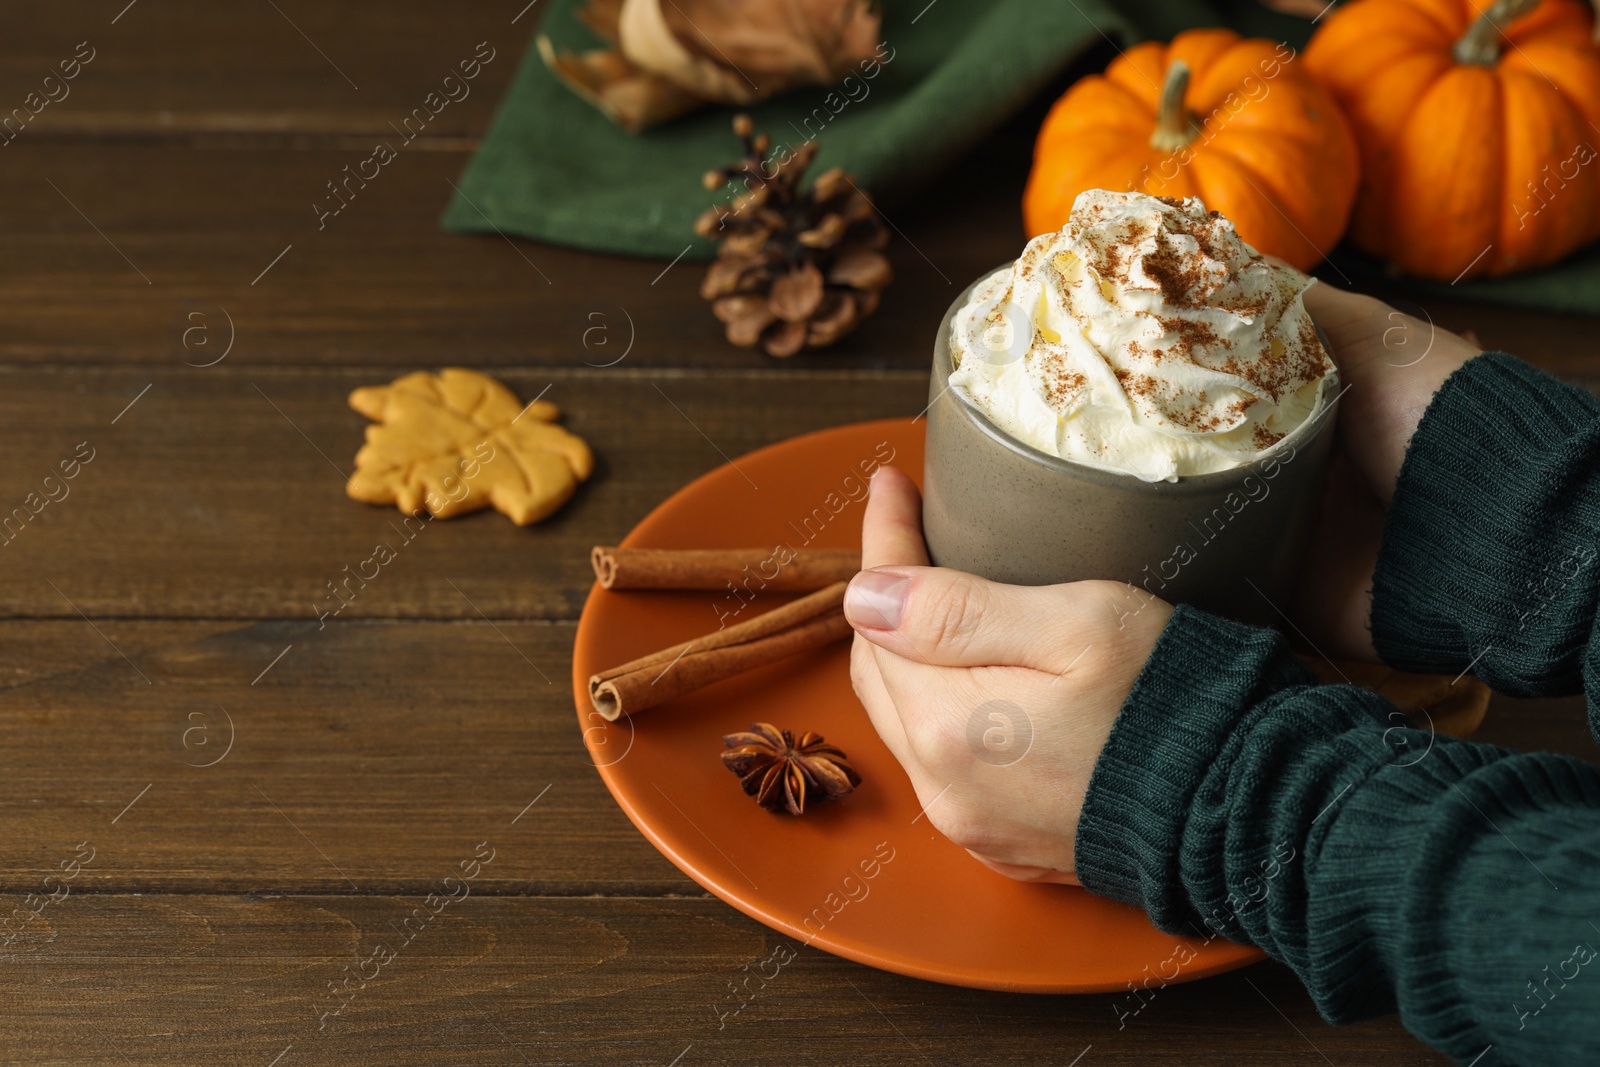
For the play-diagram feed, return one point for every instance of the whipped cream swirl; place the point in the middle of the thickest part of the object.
(1145, 337)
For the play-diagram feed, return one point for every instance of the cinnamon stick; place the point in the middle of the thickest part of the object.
(782, 569)
(810, 622)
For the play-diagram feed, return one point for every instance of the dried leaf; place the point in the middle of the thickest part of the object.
(776, 44)
(668, 59)
(795, 295)
(650, 44)
(602, 16)
(632, 98)
(458, 441)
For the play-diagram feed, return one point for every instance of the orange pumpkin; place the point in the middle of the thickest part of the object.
(1237, 122)
(1477, 126)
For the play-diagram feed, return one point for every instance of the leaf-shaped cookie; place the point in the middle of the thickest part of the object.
(458, 441)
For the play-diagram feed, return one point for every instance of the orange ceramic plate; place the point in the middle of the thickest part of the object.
(867, 878)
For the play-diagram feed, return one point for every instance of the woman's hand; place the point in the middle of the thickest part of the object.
(996, 699)
(1392, 364)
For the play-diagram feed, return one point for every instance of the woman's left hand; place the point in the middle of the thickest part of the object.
(996, 699)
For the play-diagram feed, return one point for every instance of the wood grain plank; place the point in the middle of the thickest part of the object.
(160, 255)
(220, 492)
(165, 138)
(43, 649)
(166, 979)
(361, 758)
(109, 253)
(369, 758)
(184, 68)
(365, 758)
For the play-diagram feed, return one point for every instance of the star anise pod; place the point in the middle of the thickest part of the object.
(782, 774)
(795, 267)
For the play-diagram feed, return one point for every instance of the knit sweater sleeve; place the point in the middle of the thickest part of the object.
(1392, 869)
(1491, 555)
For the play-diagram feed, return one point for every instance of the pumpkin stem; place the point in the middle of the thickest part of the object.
(1482, 43)
(1175, 124)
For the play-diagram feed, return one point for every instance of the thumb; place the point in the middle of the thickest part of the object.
(950, 619)
(891, 526)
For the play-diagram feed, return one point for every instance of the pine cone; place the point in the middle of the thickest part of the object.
(794, 268)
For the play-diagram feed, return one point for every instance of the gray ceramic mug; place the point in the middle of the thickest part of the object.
(1228, 542)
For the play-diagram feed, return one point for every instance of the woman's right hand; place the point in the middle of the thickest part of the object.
(1392, 364)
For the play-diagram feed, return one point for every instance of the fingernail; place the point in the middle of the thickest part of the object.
(876, 600)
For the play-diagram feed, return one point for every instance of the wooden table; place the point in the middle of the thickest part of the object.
(261, 794)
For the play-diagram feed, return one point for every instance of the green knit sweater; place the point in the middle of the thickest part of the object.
(1390, 868)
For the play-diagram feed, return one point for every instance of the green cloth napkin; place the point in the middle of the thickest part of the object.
(1573, 285)
(554, 169)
